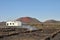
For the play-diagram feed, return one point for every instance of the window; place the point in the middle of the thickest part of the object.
(13, 23)
(7, 23)
(10, 23)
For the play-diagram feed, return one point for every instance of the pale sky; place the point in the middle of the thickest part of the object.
(40, 9)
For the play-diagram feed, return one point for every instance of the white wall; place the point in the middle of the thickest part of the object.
(14, 23)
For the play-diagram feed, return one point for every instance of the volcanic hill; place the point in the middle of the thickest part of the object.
(28, 20)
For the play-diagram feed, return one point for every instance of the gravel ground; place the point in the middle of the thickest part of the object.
(57, 37)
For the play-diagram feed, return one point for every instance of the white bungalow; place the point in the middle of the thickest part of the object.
(13, 23)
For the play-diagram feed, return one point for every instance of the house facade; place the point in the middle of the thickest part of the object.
(13, 23)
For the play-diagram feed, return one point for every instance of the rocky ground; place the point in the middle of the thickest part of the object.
(41, 34)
